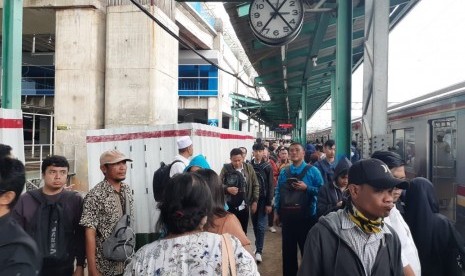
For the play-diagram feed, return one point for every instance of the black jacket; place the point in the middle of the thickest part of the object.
(327, 253)
(431, 231)
(329, 195)
(18, 251)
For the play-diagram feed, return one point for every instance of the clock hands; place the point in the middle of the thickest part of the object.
(275, 13)
(271, 17)
(277, 5)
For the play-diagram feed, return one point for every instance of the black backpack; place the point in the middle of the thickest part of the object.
(52, 228)
(160, 179)
(233, 178)
(294, 204)
(260, 172)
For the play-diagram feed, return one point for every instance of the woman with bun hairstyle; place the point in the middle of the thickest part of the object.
(187, 249)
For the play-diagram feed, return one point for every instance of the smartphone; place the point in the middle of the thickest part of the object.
(291, 181)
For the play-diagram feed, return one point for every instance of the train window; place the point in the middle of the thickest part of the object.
(398, 135)
(443, 163)
(404, 145)
(409, 156)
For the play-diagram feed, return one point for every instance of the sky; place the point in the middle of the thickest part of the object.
(426, 53)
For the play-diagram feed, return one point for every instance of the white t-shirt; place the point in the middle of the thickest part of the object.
(179, 167)
(409, 251)
(195, 254)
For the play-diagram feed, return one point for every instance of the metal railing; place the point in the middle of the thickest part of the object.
(36, 153)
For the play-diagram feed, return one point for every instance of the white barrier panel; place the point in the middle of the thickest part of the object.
(150, 145)
(11, 131)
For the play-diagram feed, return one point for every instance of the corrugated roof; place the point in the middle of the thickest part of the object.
(318, 37)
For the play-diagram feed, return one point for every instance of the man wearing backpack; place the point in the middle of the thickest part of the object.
(295, 205)
(51, 216)
(241, 187)
(185, 151)
(104, 206)
(264, 174)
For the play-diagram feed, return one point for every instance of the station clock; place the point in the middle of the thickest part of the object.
(276, 22)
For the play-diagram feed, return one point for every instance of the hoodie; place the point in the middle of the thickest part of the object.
(342, 167)
(329, 195)
(198, 161)
(328, 251)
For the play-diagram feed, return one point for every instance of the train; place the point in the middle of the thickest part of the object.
(426, 132)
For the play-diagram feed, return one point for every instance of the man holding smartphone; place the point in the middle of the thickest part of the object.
(295, 205)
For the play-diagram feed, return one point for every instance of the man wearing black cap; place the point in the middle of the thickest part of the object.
(356, 240)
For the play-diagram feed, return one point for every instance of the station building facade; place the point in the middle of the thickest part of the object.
(93, 64)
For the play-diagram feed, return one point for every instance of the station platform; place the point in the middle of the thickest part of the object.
(272, 264)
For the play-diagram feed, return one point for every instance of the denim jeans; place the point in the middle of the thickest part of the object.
(259, 221)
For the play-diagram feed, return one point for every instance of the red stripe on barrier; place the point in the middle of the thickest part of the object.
(461, 190)
(11, 123)
(137, 135)
(164, 133)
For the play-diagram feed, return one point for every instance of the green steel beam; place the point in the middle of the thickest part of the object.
(316, 43)
(257, 45)
(357, 12)
(12, 33)
(319, 89)
(318, 82)
(303, 120)
(308, 27)
(271, 62)
(332, 42)
(333, 105)
(243, 98)
(248, 107)
(278, 75)
(243, 10)
(297, 53)
(295, 69)
(343, 78)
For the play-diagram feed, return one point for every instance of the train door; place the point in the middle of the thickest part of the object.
(443, 163)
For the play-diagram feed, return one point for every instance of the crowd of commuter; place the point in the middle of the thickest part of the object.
(346, 216)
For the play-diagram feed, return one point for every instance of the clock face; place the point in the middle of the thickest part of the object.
(276, 22)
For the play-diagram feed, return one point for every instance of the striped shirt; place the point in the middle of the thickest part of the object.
(366, 246)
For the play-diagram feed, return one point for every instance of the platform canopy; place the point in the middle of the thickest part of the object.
(309, 60)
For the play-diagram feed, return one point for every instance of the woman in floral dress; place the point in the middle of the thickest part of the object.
(187, 249)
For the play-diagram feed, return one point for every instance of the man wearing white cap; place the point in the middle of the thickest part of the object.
(104, 205)
(185, 151)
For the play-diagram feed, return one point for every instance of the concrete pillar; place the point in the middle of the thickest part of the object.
(214, 110)
(231, 123)
(79, 83)
(245, 126)
(141, 80)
